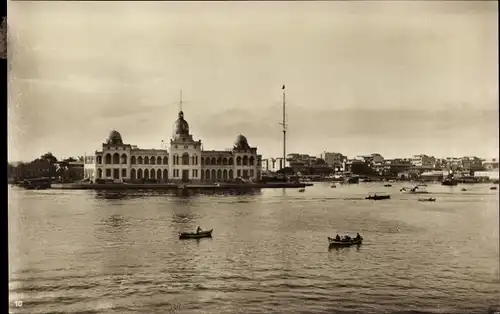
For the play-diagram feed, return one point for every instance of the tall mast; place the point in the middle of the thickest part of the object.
(180, 102)
(284, 127)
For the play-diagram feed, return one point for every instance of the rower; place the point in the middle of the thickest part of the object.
(198, 229)
(337, 238)
(358, 236)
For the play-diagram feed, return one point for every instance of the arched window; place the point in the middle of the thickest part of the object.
(213, 161)
(251, 160)
(207, 175)
(116, 158)
(231, 161)
(219, 174)
(238, 161)
(99, 173)
(158, 160)
(165, 174)
(124, 158)
(139, 173)
(153, 173)
(133, 160)
(165, 160)
(202, 175)
(202, 161)
(133, 174)
(196, 159)
(192, 160)
(231, 176)
(185, 159)
(158, 174)
(213, 175)
(245, 160)
(224, 175)
(219, 161)
(139, 160)
(152, 160)
(224, 161)
(146, 162)
(146, 173)
(107, 159)
(99, 160)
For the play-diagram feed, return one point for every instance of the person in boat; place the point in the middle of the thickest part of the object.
(358, 237)
(198, 229)
(337, 238)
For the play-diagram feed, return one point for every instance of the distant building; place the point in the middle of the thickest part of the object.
(433, 175)
(393, 167)
(184, 161)
(491, 174)
(490, 164)
(274, 164)
(374, 159)
(423, 161)
(335, 160)
(472, 164)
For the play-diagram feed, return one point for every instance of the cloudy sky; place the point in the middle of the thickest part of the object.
(397, 78)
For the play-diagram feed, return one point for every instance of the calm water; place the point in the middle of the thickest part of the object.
(84, 252)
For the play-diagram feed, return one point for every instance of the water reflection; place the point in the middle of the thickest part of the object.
(176, 194)
(338, 249)
(183, 218)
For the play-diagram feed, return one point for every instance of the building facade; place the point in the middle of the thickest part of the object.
(423, 161)
(335, 160)
(185, 160)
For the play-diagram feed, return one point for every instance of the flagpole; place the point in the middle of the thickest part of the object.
(284, 127)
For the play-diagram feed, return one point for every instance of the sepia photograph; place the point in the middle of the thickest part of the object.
(252, 157)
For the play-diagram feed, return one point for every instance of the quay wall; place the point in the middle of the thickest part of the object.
(165, 186)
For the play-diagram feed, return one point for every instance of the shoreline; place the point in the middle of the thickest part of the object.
(171, 186)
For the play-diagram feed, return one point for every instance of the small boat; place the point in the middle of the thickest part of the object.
(376, 197)
(302, 190)
(496, 182)
(463, 189)
(342, 243)
(194, 235)
(430, 199)
(333, 186)
(493, 188)
(387, 185)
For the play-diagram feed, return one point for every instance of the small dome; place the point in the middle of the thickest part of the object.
(181, 127)
(115, 138)
(241, 142)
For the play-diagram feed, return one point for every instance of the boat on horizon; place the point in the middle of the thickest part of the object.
(376, 197)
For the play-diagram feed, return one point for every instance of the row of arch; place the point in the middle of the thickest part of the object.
(123, 158)
(142, 174)
(184, 160)
(212, 175)
(245, 161)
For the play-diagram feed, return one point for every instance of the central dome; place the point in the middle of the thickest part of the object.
(115, 138)
(181, 127)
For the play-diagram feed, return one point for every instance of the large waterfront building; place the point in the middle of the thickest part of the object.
(184, 161)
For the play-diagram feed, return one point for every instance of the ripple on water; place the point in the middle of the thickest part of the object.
(90, 253)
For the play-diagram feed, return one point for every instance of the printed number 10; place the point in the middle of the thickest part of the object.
(18, 303)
